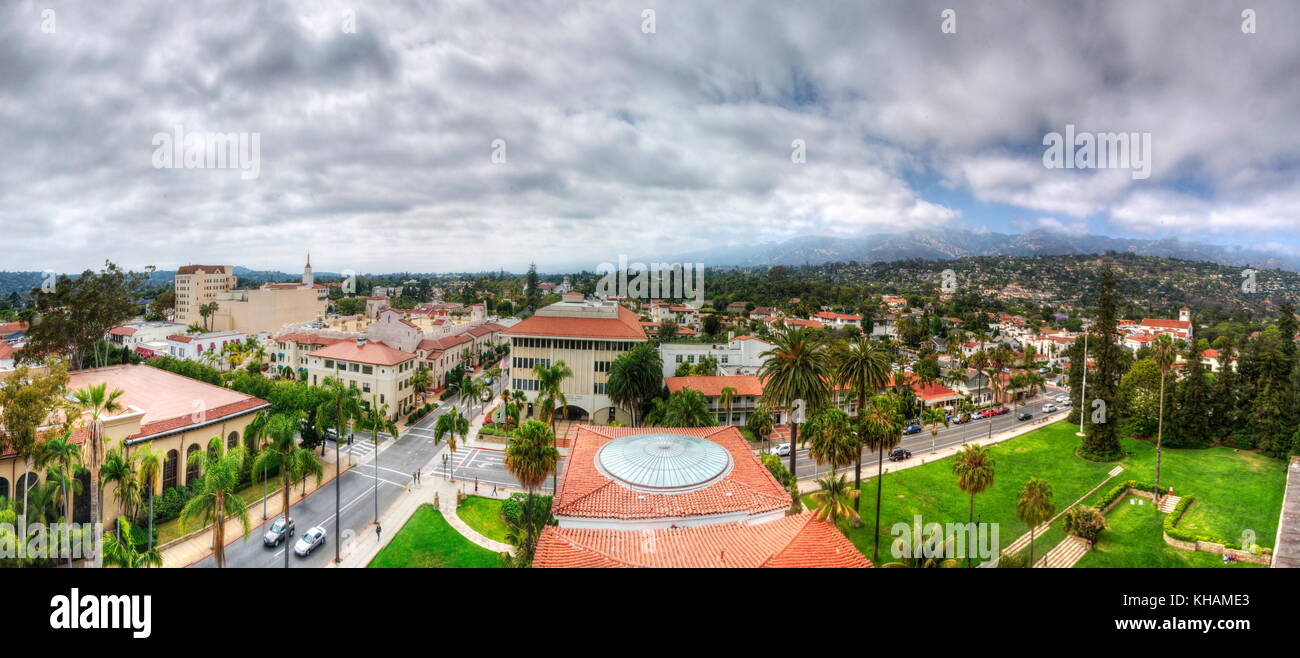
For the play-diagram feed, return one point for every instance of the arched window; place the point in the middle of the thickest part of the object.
(169, 470)
(232, 440)
(81, 501)
(25, 482)
(191, 469)
(4, 487)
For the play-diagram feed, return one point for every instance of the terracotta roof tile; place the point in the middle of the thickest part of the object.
(625, 326)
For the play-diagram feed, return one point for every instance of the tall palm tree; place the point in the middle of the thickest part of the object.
(216, 501)
(341, 406)
(206, 311)
(149, 473)
(761, 423)
(119, 469)
(725, 397)
(862, 368)
(1034, 506)
(882, 423)
(934, 416)
(66, 455)
(126, 553)
(974, 470)
(634, 377)
(550, 383)
(376, 420)
(796, 368)
(832, 499)
(531, 455)
(281, 452)
(97, 402)
(450, 425)
(1163, 353)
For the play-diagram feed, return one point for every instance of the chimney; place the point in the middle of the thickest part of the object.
(361, 342)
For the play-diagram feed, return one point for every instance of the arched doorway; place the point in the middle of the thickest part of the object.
(4, 487)
(572, 413)
(26, 481)
(81, 501)
(232, 440)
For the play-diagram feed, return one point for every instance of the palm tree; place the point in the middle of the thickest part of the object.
(634, 377)
(60, 451)
(832, 499)
(376, 420)
(882, 424)
(974, 470)
(119, 469)
(149, 475)
(98, 402)
(796, 368)
(207, 311)
(281, 452)
(761, 423)
(1034, 506)
(725, 397)
(126, 553)
(421, 380)
(934, 416)
(685, 408)
(216, 501)
(450, 425)
(550, 384)
(862, 368)
(832, 438)
(531, 455)
(1164, 353)
(341, 406)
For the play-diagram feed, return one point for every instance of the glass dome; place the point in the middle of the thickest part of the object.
(662, 462)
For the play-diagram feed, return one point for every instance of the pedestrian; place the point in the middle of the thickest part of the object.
(379, 530)
(475, 484)
(494, 491)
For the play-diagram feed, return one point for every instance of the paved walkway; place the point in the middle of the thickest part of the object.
(1023, 541)
(1064, 555)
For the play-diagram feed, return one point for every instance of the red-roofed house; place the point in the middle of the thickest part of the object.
(703, 500)
(382, 373)
(747, 389)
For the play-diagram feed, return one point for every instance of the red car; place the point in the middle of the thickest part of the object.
(1001, 410)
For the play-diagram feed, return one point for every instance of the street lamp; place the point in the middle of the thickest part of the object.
(1083, 390)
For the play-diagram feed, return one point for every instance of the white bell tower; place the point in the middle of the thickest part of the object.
(308, 279)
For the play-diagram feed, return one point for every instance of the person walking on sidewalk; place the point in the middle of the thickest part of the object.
(379, 530)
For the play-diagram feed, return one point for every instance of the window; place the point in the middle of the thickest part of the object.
(602, 366)
(232, 440)
(367, 370)
(600, 388)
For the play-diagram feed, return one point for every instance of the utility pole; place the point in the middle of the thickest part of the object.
(1083, 391)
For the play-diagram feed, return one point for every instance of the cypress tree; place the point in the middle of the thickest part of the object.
(1191, 412)
(1101, 440)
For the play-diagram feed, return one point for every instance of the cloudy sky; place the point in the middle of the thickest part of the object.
(447, 135)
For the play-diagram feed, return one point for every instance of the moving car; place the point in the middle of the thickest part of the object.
(278, 531)
(782, 450)
(1049, 408)
(309, 541)
(1065, 403)
(1024, 415)
(899, 454)
(912, 429)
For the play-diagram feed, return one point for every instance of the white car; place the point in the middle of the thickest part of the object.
(1061, 399)
(1066, 402)
(782, 450)
(1049, 408)
(309, 541)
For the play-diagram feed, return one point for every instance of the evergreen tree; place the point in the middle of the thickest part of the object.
(1190, 413)
(1223, 410)
(1101, 438)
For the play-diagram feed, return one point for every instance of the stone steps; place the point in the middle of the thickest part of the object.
(1168, 503)
(1064, 555)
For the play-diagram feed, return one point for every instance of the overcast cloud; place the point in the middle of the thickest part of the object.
(376, 145)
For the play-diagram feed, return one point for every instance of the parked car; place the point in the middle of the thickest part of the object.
(1062, 398)
(958, 420)
(278, 531)
(1049, 408)
(899, 454)
(1024, 415)
(1043, 371)
(309, 541)
(1001, 410)
(912, 429)
(1065, 403)
(782, 450)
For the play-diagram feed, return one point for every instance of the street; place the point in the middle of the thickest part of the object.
(398, 460)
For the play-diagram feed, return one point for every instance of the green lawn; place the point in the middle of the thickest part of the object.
(428, 541)
(1234, 490)
(1134, 538)
(483, 515)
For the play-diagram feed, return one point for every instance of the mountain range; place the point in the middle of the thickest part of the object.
(959, 243)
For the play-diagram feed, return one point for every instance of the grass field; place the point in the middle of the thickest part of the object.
(483, 515)
(1134, 538)
(428, 541)
(1234, 490)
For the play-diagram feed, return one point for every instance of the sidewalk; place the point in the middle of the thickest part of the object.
(809, 483)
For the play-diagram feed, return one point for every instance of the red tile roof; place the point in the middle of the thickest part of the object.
(7, 328)
(372, 353)
(1166, 324)
(122, 331)
(711, 386)
(626, 326)
(308, 339)
(927, 392)
(205, 269)
(789, 542)
(586, 492)
(443, 344)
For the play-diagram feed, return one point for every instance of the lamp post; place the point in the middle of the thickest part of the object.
(1083, 390)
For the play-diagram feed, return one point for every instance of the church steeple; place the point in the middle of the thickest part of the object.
(308, 278)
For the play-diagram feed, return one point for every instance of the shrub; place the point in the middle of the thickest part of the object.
(1014, 561)
(1085, 522)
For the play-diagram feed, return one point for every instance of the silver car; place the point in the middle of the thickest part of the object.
(309, 541)
(278, 531)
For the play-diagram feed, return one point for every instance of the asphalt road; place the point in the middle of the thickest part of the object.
(398, 460)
